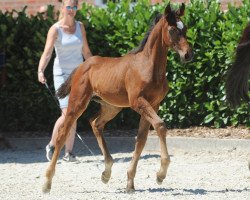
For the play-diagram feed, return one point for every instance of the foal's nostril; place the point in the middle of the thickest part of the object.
(186, 56)
(189, 56)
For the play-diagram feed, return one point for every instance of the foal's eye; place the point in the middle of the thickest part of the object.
(175, 34)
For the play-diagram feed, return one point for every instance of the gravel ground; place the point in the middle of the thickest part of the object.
(192, 175)
(199, 132)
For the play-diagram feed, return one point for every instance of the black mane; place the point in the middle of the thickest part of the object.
(145, 39)
(238, 75)
(246, 34)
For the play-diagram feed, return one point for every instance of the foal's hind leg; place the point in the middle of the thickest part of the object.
(145, 109)
(78, 101)
(140, 143)
(107, 112)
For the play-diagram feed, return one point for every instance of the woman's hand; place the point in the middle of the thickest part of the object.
(41, 77)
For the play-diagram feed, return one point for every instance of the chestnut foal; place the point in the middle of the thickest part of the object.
(136, 80)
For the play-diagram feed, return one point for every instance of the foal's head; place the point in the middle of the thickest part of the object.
(174, 34)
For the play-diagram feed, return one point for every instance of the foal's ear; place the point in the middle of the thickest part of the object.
(168, 9)
(170, 16)
(181, 11)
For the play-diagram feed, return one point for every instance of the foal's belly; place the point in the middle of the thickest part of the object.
(116, 99)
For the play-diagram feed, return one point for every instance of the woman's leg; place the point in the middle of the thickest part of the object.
(70, 140)
(58, 80)
(57, 125)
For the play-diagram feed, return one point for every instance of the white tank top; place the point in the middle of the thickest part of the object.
(68, 49)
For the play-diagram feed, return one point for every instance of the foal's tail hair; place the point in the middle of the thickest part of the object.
(238, 75)
(65, 88)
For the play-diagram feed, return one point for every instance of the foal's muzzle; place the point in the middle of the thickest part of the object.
(188, 56)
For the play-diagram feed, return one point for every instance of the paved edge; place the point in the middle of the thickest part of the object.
(122, 144)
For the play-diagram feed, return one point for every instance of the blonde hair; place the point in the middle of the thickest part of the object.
(63, 3)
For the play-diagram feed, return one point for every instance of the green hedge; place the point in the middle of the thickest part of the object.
(197, 95)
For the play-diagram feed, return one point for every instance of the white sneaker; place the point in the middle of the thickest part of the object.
(49, 152)
(70, 157)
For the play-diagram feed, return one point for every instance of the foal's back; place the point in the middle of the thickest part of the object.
(109, 77)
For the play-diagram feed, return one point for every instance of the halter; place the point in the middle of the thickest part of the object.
(180, 25)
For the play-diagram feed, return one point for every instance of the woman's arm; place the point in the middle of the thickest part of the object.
(85, 50)
(48, 50)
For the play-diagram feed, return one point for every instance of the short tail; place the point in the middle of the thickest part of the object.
(65, 88)
(238, 75)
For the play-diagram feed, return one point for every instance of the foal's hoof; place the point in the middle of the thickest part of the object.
(106, 176)
(159, 180)
(105, 179)
(130, 186)
(46, 188)
(130, 190)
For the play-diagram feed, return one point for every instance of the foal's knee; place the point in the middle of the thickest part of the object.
(161, 128)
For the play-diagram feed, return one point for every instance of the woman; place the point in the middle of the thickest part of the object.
(68, 36)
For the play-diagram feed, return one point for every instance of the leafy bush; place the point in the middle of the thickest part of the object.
(25, 103)
(197, 95)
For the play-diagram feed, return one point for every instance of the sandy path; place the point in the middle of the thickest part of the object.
(191, 175)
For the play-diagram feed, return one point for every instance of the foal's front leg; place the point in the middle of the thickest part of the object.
(140, 143)
(146, 110)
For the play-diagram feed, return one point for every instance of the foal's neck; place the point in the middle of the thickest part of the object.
(156, 51)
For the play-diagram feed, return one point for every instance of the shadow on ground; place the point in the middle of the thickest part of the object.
(33, 151)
